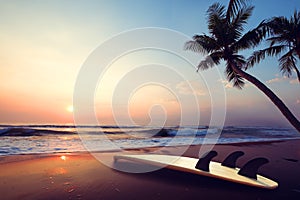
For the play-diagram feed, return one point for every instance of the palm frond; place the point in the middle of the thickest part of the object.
(278, 25)
(205, 64)
(232, 76)
(239, 60)
(252, 38)
(241, 18)
(238, 82)
(216, 11)
(208, 43)
(287, 63)
(233, 7)
(210, 61)
(257, 56)
(282, 30)
(217, 25)
(278, 40)
(194, 46)
(296, 17)
(284, 36)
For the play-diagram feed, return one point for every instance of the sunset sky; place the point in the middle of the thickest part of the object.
(44, 44)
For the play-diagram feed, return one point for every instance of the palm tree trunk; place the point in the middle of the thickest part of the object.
(272, 96)
(298, 73)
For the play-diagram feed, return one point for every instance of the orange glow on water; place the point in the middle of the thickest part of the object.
(64, 158)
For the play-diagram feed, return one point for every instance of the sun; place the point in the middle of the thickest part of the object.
(70, 108)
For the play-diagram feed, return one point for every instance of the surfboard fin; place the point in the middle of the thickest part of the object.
(203, 162)
(230, 160)
(251, 167)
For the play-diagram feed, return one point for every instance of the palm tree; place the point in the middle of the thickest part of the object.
(285, 38)
(224, 42)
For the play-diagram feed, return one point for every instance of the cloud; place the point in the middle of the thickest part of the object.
(226, 83)
(248, 84)
(282, 79)
(277, 80)
(294, 81)
(190, 88)
(298, 101)
(229, 85)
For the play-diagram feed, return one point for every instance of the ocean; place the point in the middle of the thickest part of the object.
(32, 139)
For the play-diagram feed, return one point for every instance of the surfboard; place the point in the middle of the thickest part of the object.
(189, 165)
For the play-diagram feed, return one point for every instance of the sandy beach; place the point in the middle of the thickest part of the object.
(81, 176)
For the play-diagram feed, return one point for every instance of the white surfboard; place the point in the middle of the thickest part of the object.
(187, 164)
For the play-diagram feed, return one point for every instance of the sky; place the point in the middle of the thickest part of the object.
(44, 45)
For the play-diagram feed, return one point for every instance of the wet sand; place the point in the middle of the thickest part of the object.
(81, 176)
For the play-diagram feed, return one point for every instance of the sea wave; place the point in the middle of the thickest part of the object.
(61, 138)
(228, 132)
(26, 132)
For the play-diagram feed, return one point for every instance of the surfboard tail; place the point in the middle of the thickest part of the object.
(250, 169)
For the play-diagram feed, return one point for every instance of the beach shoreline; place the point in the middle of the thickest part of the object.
(82, 176)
